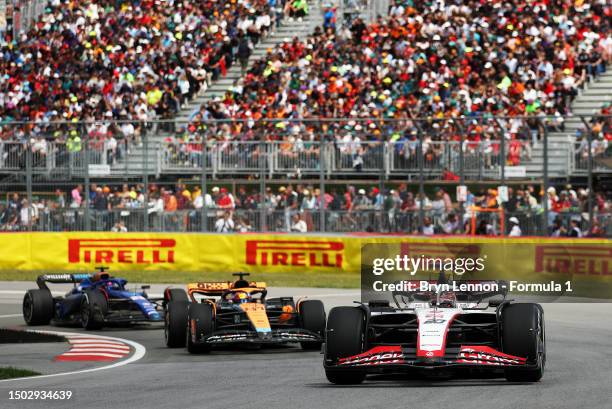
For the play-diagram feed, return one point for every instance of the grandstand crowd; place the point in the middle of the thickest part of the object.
(297, 208)
(432, 60)
(123, 60)
(472, 70)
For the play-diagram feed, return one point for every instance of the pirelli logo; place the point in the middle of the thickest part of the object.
(128, 251)
(294, 253)
(578, 260)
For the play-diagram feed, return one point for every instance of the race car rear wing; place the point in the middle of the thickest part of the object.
(42, 280)
(217, 288)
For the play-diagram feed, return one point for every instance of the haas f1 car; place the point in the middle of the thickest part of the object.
(94, 301)
(439, 333)
(222, 313)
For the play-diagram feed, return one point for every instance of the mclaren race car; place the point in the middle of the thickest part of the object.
(223, 313)
(439, 333)
(94, 301)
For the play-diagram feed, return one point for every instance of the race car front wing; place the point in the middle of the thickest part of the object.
(396, 357)
(275, 336)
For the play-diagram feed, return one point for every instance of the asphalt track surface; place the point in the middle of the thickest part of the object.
(578, 372)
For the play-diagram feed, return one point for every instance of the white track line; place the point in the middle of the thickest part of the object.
(100, 346)
(109, 355)
(139, 353)
(124, 351)
(94, 341)
(11, 315)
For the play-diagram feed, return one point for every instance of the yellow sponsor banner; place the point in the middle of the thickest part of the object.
(287, 253)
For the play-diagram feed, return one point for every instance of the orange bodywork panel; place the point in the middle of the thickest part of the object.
(257, 315)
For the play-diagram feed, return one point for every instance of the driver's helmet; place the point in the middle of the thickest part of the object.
(112, 285)
(447, 299)
(241, 297)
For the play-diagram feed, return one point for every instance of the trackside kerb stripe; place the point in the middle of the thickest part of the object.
(88, 348)
(139, 353)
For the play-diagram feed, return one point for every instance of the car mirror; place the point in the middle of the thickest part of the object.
(145, 287)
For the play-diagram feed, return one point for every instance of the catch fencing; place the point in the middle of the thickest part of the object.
(43, 164)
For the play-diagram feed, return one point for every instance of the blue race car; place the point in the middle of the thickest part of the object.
(95, 300)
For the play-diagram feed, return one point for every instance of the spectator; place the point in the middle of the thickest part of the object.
(28, 214)
(452, 224)
(574, 230)
(225, 224)
(76, 196)
(515, 230)
(298, 225)
(428, 227)
(119, 227)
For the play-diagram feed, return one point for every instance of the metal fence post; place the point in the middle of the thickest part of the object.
(461, 171)
(502, 151)
(262, 186)
(590, 171)
(421, 181)
(204, 184)
(545, 196)
(85, 149)
(321, 188)
(29, 183)
(145, 179)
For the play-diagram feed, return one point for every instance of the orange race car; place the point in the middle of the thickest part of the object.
(221, 313)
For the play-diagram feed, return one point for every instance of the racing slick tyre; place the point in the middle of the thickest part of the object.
(523, 335)
(175, 294)
(200, 321)
(345, 336)
(38, 307)
(312, 318)
(93, 309)
(175, 324)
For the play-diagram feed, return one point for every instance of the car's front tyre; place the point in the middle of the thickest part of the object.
(175, 324)
(523, 335)
(345, 337)
(93, 309)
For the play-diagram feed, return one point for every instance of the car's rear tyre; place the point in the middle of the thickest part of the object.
(201, 321)
(175, 294)
(175, 324)
(345, 337)
(93, 309)
(37, 307)
(523, 335)
(312, 318)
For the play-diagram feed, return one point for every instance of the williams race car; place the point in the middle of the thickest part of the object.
(222, 313)
(439, 333)
(94, 301)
